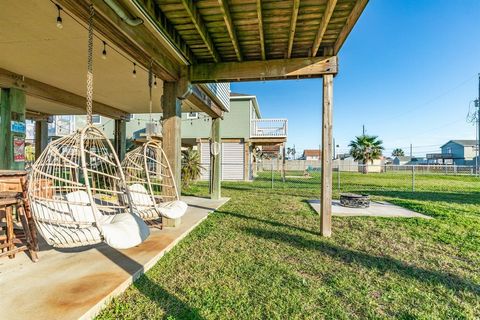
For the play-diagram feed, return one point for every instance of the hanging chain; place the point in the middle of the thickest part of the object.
(90, 66)
(150, 84)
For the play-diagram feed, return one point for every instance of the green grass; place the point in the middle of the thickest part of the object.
(260, 256)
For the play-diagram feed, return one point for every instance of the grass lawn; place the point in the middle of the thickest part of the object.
(260, 256)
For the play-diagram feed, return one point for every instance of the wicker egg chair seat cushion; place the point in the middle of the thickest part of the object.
(147, 209)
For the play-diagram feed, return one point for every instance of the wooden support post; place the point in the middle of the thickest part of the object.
(326, 193)
(171, 130)
(215, 160)
(12, 115)
(120, 138)
(41, 137)
(246, 161)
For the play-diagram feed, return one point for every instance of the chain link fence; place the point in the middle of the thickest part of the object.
(385, 179)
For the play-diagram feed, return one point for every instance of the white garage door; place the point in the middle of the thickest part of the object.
(232, 160)
(205, 160)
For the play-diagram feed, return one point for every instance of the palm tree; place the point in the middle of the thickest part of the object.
(398, 152)
(191, 167)
(366, 148)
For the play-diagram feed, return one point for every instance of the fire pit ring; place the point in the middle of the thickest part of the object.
(353, 200)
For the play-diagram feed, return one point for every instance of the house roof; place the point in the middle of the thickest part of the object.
(403, 158)
(245, 96)
(465, 143)
(312, 153)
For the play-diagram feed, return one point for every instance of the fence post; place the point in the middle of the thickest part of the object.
(413, 178)
(271, 170)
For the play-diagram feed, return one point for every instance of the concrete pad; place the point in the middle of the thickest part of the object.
(376, 209)
(77, 283)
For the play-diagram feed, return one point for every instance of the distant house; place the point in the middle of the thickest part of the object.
(458, 152)
(311, 154)
(404, 160)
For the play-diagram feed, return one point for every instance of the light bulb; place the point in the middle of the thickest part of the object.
(134, 73)
(59, 22)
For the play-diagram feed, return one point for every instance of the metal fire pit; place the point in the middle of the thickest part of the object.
(353, 200)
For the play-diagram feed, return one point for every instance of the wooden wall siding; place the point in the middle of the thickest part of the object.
(233, 31)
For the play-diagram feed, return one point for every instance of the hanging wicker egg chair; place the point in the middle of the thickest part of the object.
(77, 190)
(78, 194)
(151, 184)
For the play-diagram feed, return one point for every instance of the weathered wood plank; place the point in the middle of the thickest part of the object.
(260, 28)
(323, 26)
(230, 27)
(171, 129)
(197, 20)
(327, 138)
(293, 25)
(264, 70)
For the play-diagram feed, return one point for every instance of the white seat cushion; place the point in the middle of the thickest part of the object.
(140, 196)
(124, 231)
(173, 209)
(53, 224)
(80, 206)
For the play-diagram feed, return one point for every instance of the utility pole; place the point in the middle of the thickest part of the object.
(363, 129)
(477, 133)
(477, 159)
(411, 151)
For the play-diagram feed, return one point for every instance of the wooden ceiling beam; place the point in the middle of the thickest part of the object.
(323, 26)
(137, 42)
(349, 24)
(230, 27)
(293, 26)
(260, 29)
(294, 68)
(36, 116)
(202, 30)
(47, 92)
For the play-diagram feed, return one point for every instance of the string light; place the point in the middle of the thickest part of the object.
(134, 73)
(59, 18)
(104, 52)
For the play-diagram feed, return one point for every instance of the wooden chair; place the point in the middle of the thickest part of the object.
(13, 195)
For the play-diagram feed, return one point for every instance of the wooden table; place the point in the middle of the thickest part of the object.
(13, 194)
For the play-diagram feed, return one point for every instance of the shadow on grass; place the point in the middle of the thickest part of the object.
(382, 264)
(269, 222)
(164, 300)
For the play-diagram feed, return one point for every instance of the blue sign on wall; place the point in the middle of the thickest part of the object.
(18, 127)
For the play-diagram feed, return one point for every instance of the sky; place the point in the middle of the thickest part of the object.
(408, 72)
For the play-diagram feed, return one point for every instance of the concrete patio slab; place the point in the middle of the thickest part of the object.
(376, 209)
(76, 284)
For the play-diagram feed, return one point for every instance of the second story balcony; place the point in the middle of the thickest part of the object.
(268, 128)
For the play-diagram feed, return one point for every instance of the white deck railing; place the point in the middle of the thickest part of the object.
(268, 128)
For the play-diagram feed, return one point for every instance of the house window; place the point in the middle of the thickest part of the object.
(449, 150)
(96, 119)
(192, 115)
